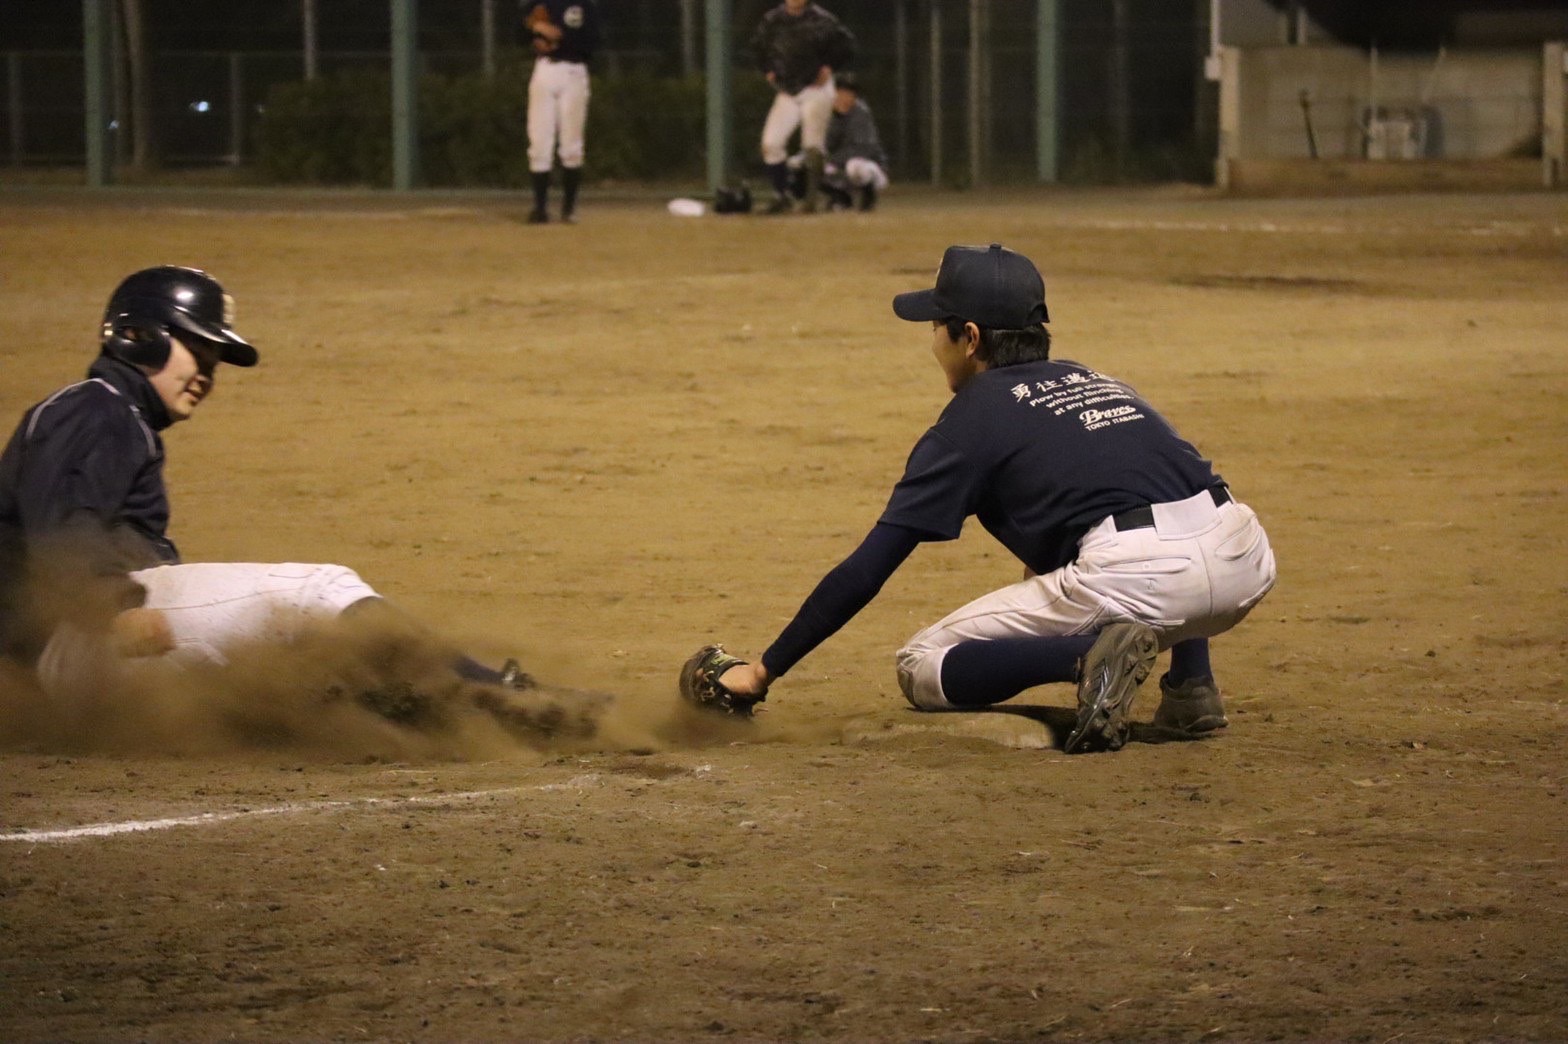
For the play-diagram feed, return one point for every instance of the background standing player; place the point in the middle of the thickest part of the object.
(1130, 540)
(798, 45)
(563, 35)
(90, 581)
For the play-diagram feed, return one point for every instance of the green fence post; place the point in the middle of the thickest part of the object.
(405, 95)
(96, 66)
(1047, 80)
(718, 92)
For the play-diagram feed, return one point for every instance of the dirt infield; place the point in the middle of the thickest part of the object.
(598, 447)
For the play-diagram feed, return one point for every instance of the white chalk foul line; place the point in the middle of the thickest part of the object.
(139, 826)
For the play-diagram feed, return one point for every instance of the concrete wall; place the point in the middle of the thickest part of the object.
(1258, 23)
(1554, 115)
(1469, 105)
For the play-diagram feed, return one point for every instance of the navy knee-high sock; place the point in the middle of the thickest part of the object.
(1190, 659)
(571, 178)
(778, 176)
(472, 670)
(378, 609)
(980, 673)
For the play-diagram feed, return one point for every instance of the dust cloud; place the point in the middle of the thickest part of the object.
(344, 692)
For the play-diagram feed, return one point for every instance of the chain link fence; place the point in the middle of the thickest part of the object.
(1132, 100)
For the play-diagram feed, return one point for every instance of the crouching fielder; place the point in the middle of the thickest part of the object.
(1131, 542)
(856, 160)
(88, 574)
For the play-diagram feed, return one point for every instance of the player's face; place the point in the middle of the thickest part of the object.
(185, 379)
(794, 7)
(957, 358)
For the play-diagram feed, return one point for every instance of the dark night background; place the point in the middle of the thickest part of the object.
(363, 24)
(1169, 105)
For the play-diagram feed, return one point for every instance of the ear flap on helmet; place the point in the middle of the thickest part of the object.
(137, 342)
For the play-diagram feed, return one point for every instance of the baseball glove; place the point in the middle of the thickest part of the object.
(700, 683)
(538, 22)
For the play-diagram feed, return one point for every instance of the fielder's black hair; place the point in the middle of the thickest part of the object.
(999, 348)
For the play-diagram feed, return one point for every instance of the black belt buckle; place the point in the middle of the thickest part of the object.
(1143, 517)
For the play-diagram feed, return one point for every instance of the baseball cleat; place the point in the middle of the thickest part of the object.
(837, 198)
(1118, 662)
(398, 702)
(538, 217)
(544, 713)
(1193, 707)
(514, 677)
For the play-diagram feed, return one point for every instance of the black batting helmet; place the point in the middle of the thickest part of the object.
(150, 305)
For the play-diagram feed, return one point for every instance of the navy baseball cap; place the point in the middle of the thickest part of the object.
(989, 286)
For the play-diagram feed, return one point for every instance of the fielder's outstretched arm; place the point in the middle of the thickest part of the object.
(846, 589)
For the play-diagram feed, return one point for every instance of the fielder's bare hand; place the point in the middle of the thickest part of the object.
(747, 679)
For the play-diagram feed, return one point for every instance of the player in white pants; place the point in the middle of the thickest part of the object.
(196, 614)
(89, 579)
(563, 35)
(808, 111)
(863, 173)
(797, 46)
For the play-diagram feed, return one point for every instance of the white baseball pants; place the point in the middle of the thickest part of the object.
(809, 110)
(862, 172)
(557, 113)
(1194, 574)
(210, 606)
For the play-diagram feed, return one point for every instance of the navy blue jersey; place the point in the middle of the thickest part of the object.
(1039, 452)
(794, 48)
(81, 481)
(853, 135)
(578, 21)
